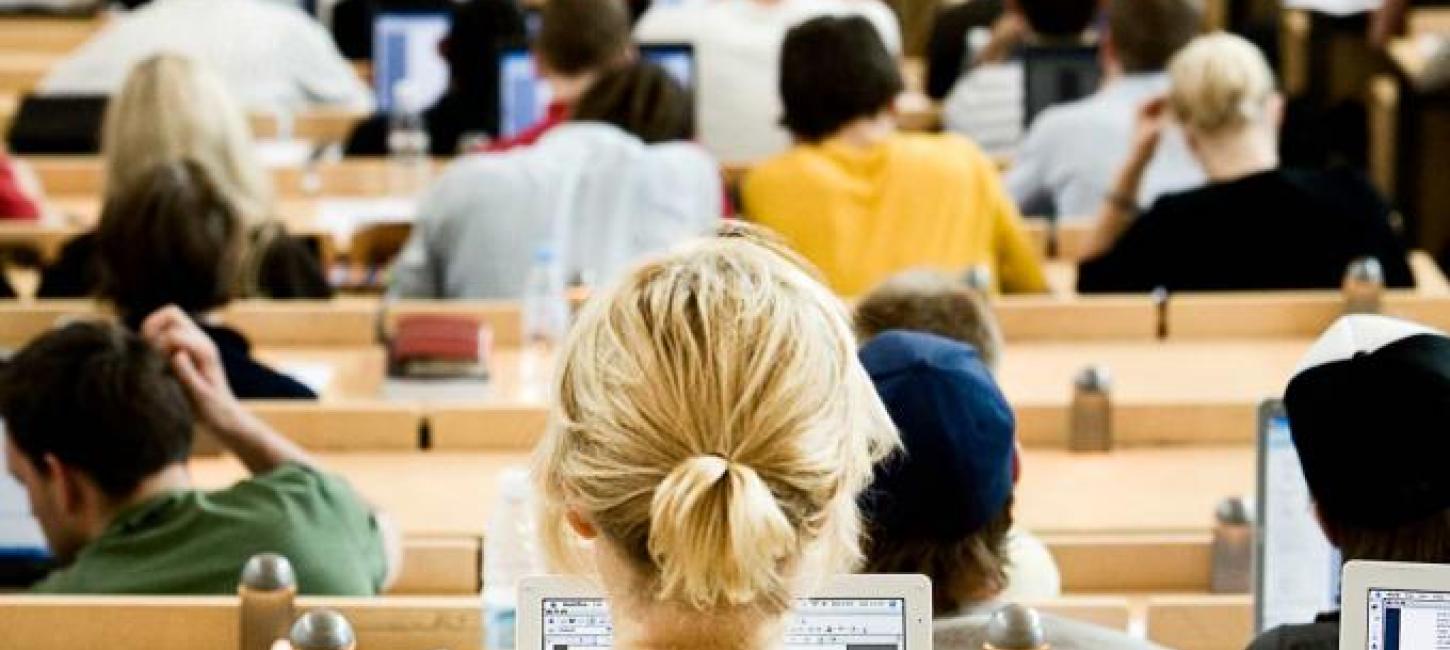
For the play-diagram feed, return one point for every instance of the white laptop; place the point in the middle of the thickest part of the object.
(1392, 606)
(1296, 573)
(880, 612)
(405, 46)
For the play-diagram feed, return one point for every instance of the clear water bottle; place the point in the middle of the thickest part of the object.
(510, 552)
(545, 316)
(409, 166)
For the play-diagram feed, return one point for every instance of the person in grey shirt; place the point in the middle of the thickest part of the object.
(1068, 161)
(618, 181)
(943, 507)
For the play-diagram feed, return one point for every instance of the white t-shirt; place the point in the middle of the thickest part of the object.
(987, 106)
(737, 49)
(271, 56)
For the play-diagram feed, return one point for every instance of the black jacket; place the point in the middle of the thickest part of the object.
(249, 379)
(1322, 634)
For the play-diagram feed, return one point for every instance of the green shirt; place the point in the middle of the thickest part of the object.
(195, 542)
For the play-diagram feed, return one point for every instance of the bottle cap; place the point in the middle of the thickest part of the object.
(1365, 270)
(1014, 627)
(268, 572)
(1095, 378)
(322, 629)
(1234, 511)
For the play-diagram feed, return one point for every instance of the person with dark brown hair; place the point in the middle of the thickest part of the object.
(173, 238)
(643, 99)
(924, 301)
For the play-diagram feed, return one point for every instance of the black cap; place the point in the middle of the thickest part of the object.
(1370, 414)
(955, 475)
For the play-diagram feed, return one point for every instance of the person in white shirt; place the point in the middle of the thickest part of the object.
(272, 57)
(987, 103)
(1067, 164)
(618, 181)
(737, 46)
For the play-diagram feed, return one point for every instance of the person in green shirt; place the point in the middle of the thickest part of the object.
(99, 425)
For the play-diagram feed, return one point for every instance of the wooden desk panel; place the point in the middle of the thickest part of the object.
(84, 176)
(1304, 314)
(1201, 622)
(45, 35)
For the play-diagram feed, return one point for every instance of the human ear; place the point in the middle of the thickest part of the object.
(581, 525)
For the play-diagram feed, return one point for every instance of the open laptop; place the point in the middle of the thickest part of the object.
(1057, 75)
(524, 96)
(1297, 570)
(1393, 606)
(878, 612)
(405, 47)
(24, 555)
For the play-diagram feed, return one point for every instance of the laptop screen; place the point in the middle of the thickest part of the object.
(818, 623)
(1408, 620)
(405, 46)
(1298, 571)
(1056, 75)
(20, 534)
(524, 96)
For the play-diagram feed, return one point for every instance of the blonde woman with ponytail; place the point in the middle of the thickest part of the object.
(174, 108)
(711, 433)
(1255, 225)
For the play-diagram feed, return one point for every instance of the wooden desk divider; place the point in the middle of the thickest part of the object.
(1201, 622)
(345, 426)
(191, 622)
(22, 322)
(1117, 563)
(1299, 314)
(440, 567)
(467, 427)
(70, 176)
(342, 322)
(1049, 318)
(1146, 425)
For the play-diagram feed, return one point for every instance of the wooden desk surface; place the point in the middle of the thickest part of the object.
(1131, 492)
(42, 35)
(83, 177)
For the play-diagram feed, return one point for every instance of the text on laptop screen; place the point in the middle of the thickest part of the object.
(405, 46)
(20, 534)
(1299, 571)
(818, 623)
(524, 96)
(1408, 620)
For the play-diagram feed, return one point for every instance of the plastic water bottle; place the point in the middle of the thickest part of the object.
(510, 552)
(409, 166)
(546, 318)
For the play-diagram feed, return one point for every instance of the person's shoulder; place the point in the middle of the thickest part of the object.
(948, 153)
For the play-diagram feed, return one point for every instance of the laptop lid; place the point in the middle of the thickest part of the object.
(405, 47)
(524, 96)
(1297, 570)
(881, 612)
(1056, 75)
(1394, 606)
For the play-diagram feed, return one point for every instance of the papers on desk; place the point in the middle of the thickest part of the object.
(20, 534)
(1335, 7)
(283, 154)
(345, 217)
(316, 376)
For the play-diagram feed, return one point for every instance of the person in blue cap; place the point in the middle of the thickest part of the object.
(943, 508)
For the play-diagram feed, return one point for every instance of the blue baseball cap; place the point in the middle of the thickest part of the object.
(957, 430)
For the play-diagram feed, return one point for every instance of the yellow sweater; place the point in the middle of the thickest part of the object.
(862, 215)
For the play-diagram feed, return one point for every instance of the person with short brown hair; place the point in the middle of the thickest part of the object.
(1066, 163)
(925, 301)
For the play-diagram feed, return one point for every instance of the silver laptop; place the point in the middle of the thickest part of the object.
(1296, 569)
(878, 612)
(1394, 606)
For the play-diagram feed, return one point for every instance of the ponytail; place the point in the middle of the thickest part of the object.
(718, 536)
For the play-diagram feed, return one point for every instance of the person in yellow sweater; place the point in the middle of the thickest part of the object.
(863, 201)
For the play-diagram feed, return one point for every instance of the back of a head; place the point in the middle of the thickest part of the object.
(927, 301)
(833, 71)
(99, 399)
(1059, 19)
(581, 36)
(171, 238)
(713, 423)
(1221, 83)
(1147, 34)
(640, 98)
(172, 107)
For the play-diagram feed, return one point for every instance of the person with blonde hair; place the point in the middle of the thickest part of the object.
(1255, 225)
(711, 453)
(174, 108)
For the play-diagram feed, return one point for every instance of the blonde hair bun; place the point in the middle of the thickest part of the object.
(1220, 82)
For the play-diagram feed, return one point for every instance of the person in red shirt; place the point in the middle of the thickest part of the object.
(15, 202)
(577, 40)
